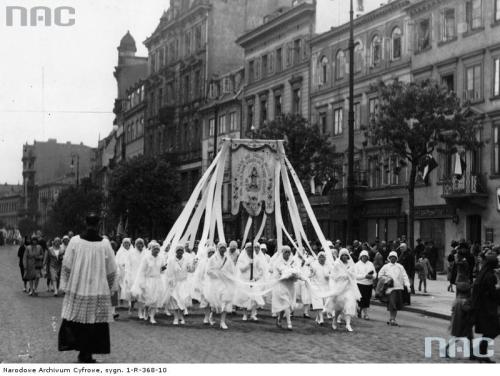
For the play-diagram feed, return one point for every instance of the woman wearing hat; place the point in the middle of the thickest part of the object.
(365, 275)
(33, 264)
(320, 278)
(398, 274)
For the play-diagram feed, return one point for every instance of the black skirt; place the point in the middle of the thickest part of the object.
(87, 338)
(395, 302)
(366, 295)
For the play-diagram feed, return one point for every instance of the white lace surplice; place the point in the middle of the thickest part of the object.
(88, 274)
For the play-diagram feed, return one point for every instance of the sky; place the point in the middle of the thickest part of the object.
(57, 82)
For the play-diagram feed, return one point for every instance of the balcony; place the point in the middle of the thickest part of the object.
(470, 188)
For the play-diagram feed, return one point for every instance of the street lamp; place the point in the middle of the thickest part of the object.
(350, 148)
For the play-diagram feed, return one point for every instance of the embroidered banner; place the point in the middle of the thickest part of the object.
(252, 170)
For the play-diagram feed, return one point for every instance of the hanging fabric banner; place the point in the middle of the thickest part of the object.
(252, 169)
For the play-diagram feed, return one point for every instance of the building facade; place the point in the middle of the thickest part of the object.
(45, 163)
(10, 205)
(193, 43)
(221, 118)
(458, 44)
(276, 56)
(382, 51)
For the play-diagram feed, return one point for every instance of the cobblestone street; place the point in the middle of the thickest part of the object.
(29, 326)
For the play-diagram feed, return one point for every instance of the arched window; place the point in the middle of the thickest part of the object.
(340, 65)
(396, 45)
(376, 51)
(358, 57)
(323, 70)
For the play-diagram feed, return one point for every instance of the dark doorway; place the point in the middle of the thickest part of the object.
(433, 229)
(474, 228)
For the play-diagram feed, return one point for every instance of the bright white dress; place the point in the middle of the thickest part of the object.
(344, 291)
(320, 282)
(284, 294)
(121, 262)
(220, 286)
(148, 287)
(179, 291)
(131, 271)
(88, 275)
(244, 295)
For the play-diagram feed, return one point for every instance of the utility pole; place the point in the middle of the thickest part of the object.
(350, 148)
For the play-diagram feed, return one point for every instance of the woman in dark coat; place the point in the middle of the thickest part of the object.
(485, 302)
(20, 255)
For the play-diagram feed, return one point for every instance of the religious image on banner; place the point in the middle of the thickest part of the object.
(252, 171)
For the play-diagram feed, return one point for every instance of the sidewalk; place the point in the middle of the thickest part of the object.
(436, 303)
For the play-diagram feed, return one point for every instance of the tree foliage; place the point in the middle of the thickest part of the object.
(71, 207)
(414, 119)
(145, 193)
(309, 152)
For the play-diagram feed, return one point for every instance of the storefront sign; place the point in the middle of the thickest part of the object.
(434, 211)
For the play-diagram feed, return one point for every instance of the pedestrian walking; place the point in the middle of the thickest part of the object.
(53, 263)
(400, 279)
(33, 265)
(451, 264)
(365, 275)
(320, 281)
(486, 302)
(432, 254)
(20, 256)
(423, 268)
(407, 259)
(88, 276)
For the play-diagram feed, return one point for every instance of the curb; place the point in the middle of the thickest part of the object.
(421, 311)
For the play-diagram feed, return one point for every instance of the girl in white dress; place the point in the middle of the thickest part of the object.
(320, 282)
(200, 280)
(219, 288)
(131, 270)
(121, 261)
(179, 294)
(148, 286)
(287, 272)
(344, 292)
(244, 297)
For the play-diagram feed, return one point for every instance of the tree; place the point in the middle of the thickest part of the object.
(71, 207)
(27, 226)
(309, 151)
(145, 193)
(415, 118)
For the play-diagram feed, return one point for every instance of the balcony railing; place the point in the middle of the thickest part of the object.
(468, 185)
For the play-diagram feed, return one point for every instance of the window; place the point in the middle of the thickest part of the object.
(473, 91)
(197, 82)
(357, 116)
(448, 25)
(496, 76)
(448, 80)
(423, 34)
(297, 47)
(337, 121)
(358, 57)
(277, 105)
(250, 116)
(496, 141)
(187, 42)
(222, 124)
(162, 56)
(251, 70)
(263, 110)
(227, 84)
(323, 123)
(296, 101)
(473, 14)
(340, 65)
(264, 66)
(233, 126)
(324, 70)
(211, 127)
(374, 170)
(376, 51)
(197, 37)
(279, 60)
(373, 106)
(396, 43)
(186, 88)
(497, 10)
